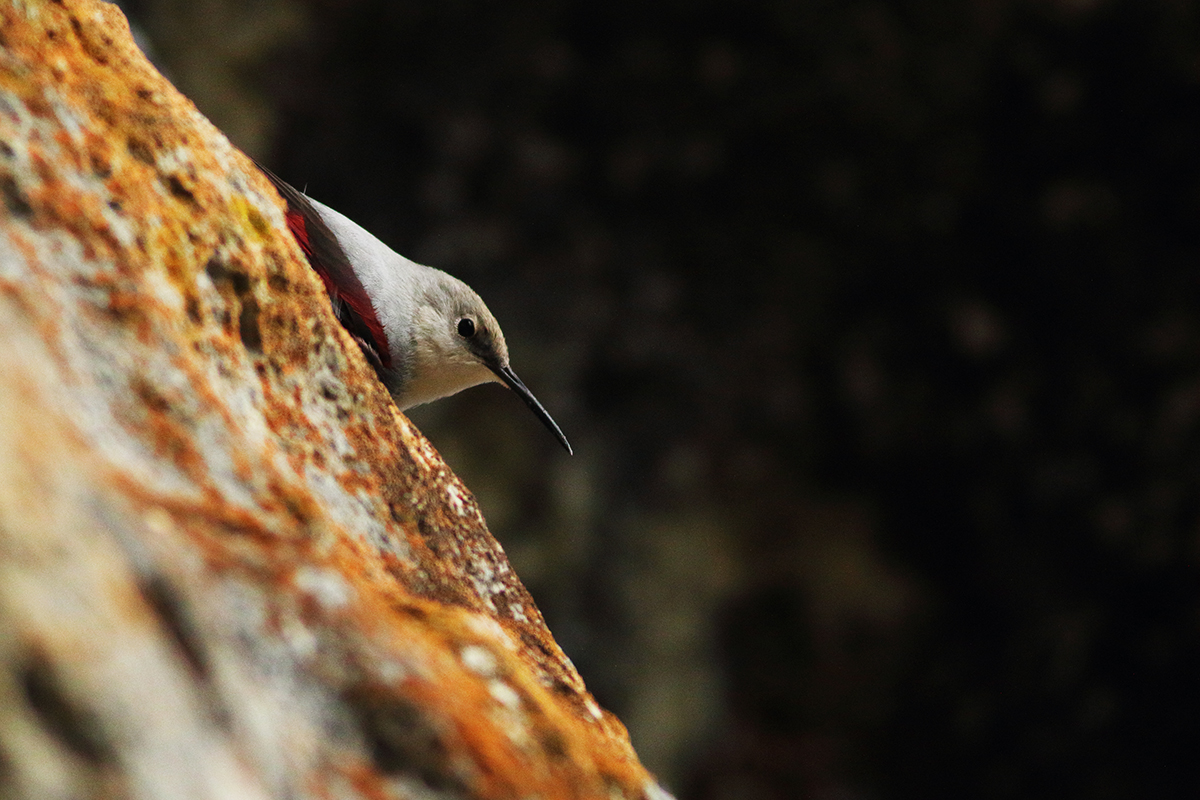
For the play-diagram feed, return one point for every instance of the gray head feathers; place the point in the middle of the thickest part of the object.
(438, 336)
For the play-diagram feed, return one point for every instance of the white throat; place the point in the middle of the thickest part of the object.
(429, 363)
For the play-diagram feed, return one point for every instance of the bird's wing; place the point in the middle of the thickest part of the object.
(351, 304)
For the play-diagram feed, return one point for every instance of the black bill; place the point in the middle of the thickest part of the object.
(513, 382)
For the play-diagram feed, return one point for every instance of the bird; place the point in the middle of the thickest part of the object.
(427, 334)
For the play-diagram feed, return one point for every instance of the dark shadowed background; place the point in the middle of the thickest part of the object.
(876, 329)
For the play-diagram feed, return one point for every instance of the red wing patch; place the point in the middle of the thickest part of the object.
(295, 221)
(330, 262)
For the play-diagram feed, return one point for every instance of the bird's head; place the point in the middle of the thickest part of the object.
(457, 344)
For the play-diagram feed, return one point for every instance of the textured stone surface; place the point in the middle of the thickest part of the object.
(228, 566)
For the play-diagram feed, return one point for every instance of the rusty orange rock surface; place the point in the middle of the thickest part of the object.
(229, 566)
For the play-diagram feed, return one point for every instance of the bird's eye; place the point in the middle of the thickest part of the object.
(466, 327)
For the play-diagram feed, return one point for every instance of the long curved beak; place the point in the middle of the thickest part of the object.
(513, 382)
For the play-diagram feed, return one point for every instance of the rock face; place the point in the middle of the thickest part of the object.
(228, 566)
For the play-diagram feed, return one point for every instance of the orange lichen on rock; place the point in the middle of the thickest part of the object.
(203, 475)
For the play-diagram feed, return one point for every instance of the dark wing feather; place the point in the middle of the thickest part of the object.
(351, 304)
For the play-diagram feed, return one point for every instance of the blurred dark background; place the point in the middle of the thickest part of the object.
(876, 329)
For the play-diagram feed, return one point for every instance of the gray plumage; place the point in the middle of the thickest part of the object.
(441, 337)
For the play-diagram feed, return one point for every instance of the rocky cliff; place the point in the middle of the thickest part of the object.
(228, 566)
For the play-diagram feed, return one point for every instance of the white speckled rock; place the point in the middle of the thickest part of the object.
(229, 568)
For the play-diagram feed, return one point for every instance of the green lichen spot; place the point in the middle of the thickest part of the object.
(252, 215)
